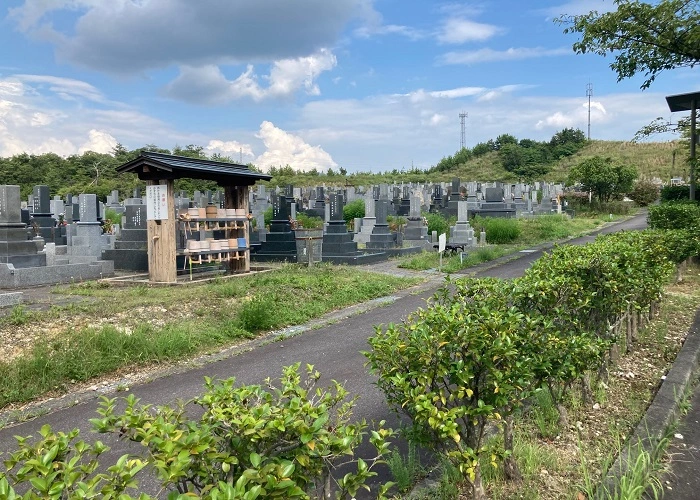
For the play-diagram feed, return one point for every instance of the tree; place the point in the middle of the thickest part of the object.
(603, 178)
(644, 37)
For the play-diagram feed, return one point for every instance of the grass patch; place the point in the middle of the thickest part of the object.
(520, 233)
(453, 263)
(125, 327)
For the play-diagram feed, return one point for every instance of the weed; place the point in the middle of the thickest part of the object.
(545, 415)
(19, 315)
(406, 470)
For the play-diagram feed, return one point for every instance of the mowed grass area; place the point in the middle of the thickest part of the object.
(117, 328)
(527, 232)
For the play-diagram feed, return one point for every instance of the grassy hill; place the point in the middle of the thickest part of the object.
(653, 159)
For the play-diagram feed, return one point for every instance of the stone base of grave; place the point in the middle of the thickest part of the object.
(462, 234)
(126, 259)
(381, 239)
(356, 260)
(13, 277)
(10, 299)
(87, 243)
(365, 230)
(508, 213)
(401, 252)
(130, 251)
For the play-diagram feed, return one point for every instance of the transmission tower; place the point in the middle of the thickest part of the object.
(463, 122)
(589, 93)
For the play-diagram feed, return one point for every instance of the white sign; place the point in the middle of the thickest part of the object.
(442, 242)
(157, 202)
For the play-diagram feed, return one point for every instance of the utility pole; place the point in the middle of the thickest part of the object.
(589, 93)
(462, 120)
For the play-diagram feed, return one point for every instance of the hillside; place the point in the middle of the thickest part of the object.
(653, 159)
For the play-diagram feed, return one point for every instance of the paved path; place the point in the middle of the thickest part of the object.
(334, 349)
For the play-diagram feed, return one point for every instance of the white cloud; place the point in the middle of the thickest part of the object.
(98, 141)
(458, 92)
(458, 31)
(284, 149)
(130, 37)
(229, 148)
(368, 31)
(208, 85)
(576, 116)
(511, 54)
(66, 88)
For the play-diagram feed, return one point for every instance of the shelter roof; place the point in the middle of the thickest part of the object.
(155, 166)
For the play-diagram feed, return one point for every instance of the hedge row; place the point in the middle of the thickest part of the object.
(484, 346)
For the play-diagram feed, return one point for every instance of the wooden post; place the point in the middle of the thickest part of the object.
(237, 197)
(162, 266)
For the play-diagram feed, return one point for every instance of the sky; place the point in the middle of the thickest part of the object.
(366, 85)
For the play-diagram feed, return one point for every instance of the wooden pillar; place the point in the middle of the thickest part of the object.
(693, 145)
(237, 197)
(162, 266)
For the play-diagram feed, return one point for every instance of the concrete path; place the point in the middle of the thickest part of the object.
(334, 349)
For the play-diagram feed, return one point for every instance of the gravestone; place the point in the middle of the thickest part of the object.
(88, 242)
(368, 221)
(15, 247)
(381, 237)
(416, 231)
(462, 233)
(280, 242)
(42, 220)
(130, 251)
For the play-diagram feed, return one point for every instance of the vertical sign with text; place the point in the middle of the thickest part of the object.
(157, 202)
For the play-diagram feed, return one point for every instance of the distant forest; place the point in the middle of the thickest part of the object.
(93, 172)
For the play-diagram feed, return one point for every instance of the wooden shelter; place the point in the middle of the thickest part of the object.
(688, 102)
(160, 171)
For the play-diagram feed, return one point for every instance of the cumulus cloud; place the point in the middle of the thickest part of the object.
(126, 36)
(98, 141)
(208, 84)
(228, 148)
(284, 149)
(577, 116)
(458, 31)
(490, 55)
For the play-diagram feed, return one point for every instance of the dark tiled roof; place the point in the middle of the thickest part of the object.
(683, 102)
(193, 168)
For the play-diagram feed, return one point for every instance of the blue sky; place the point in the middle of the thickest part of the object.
(360, 84)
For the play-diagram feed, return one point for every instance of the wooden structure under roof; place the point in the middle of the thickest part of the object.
(163, 169)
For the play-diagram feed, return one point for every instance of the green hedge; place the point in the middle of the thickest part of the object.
(675, 215)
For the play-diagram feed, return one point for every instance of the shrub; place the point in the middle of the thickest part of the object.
(674, 193)
(258, 314)
(675, 215)
(456, 365)
(644, 193)
(249, 442)
(253, 441)
(498, 230)
(307, 222)
(437, 222)
(354, 210)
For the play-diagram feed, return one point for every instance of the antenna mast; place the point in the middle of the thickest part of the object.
(462, 120)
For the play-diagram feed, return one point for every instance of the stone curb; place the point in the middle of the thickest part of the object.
(664, 410)
(10, 299)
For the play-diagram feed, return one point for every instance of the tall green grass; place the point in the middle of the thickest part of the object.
(291, 295)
